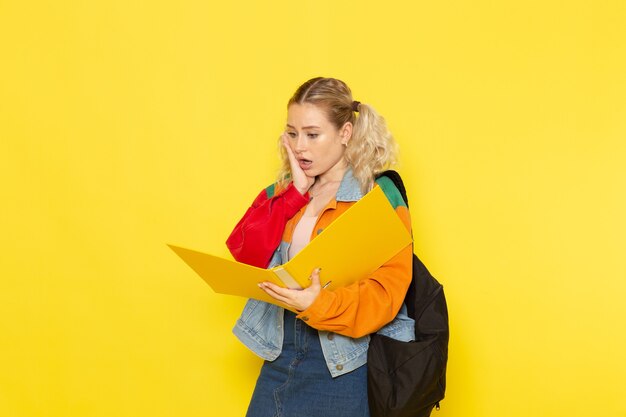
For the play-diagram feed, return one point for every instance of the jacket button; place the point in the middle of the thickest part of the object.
(319, 231)
(330, 336)
(339, 367)
(305, 318)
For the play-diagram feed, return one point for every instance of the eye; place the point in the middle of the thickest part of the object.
(312, 135)
(292, 135)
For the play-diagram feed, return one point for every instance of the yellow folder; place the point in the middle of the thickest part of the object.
(357, 243)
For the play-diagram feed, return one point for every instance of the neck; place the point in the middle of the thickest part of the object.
(335, 174)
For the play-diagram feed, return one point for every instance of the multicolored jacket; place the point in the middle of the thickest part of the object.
(345, 316)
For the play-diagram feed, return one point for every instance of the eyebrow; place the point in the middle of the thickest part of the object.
(304, 127)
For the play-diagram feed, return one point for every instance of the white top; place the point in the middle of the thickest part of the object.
(301, 235)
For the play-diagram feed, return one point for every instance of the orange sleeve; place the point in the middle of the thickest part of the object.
(369, 304)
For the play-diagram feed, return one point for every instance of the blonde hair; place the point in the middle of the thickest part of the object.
(371, 149)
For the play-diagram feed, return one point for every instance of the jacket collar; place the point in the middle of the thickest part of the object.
(349, 191)
(349, 188)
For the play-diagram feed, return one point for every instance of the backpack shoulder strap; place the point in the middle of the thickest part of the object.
(395, 178)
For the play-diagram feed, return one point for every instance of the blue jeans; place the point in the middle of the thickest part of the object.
(298, 383)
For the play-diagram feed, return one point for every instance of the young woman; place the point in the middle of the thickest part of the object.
(315, 360)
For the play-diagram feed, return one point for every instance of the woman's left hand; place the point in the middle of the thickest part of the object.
(297, 299)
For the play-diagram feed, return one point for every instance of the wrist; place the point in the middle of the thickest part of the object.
(302, 190)
(294, 200)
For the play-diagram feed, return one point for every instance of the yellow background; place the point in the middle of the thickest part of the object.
(125, 125)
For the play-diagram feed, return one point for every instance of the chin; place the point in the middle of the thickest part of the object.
(312, 172)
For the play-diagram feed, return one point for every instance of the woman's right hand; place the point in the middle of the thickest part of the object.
(301, 181)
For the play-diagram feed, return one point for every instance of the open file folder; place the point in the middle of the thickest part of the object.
(357, 243)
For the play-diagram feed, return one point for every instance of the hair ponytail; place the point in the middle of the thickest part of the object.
(372, 148)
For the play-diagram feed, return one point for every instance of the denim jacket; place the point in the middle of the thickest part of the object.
(260, 326)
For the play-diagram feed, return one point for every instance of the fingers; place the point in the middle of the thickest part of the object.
(315, 277)
(292, 158)
(276, 292)
(275, 289)
(300, 180)
(298, 299)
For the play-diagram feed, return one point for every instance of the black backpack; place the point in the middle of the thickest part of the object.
(408, 379)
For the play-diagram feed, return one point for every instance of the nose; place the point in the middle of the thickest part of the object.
(300, 144)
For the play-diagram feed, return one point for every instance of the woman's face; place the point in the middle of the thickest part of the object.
(316, 142)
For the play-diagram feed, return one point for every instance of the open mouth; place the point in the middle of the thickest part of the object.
(305, 163)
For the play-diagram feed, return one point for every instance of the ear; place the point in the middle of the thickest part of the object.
(346, 133)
